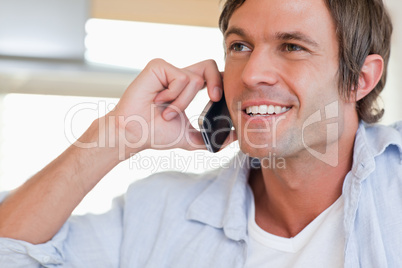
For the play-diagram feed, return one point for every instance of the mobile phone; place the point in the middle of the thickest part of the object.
(215, 124)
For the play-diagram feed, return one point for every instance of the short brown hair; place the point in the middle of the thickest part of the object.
(363, 27)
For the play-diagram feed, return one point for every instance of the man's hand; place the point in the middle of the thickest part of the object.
(151, 114)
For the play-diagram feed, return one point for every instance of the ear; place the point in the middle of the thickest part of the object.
(370, 74)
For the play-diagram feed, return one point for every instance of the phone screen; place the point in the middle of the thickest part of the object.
(215, 124)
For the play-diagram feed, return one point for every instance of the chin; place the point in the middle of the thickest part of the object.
(261, 147)
(259, 151)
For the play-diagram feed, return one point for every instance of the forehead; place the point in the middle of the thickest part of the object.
(268, 17)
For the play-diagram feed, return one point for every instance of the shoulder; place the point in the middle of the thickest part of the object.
(384, 150)
(381, 197)
(170, 186)
(378, 156)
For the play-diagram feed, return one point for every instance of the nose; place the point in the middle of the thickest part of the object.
(259, 70)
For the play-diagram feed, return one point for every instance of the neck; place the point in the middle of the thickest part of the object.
(287, 200)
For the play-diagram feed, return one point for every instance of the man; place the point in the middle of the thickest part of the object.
(300, 79)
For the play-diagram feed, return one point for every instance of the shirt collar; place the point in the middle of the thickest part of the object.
(225, 202)
(370, 142)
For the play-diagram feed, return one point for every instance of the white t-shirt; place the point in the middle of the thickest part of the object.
(319, 244)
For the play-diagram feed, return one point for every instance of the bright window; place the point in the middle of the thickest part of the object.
(134, 44)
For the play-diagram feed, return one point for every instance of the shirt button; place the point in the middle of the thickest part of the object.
(46, 259)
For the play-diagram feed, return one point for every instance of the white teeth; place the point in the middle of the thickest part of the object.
(266, 110)
(271, 109)
(254, 109)
(278, 109)
(262, 109)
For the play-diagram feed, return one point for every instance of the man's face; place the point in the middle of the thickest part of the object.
(281, 58)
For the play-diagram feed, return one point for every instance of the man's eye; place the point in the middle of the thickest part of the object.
(238, 47)
(292, 47)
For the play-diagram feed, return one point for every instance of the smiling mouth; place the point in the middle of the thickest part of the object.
(266, 110)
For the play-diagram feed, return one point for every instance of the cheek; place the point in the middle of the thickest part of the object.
(232, 84)
(314, 85)
(232, 100)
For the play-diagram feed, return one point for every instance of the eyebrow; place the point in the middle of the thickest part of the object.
(284, 36)
(235, 30)
(298, 36)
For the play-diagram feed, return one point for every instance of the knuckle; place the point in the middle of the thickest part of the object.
(183, 78)
(210, 62)
(155, 62)
(199, 82)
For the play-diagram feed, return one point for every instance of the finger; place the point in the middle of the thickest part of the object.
(214, 82)
(209, 71)
(183, 100)
(175, 86)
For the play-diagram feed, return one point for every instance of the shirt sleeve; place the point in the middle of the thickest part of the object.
(83, 241)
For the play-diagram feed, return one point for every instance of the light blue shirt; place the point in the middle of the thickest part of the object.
(186, 220)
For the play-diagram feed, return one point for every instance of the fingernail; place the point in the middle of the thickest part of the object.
(218, 92)
(170, 115)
